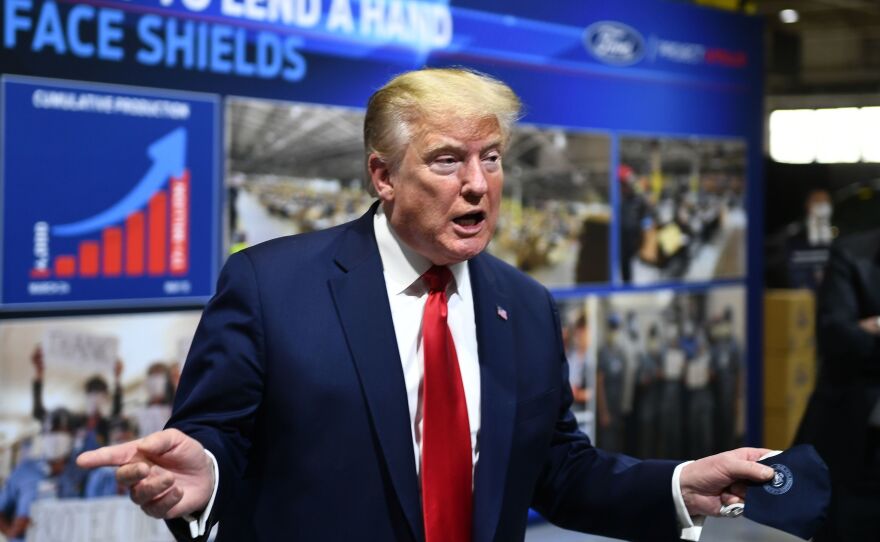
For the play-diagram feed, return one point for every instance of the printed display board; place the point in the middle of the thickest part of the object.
(109, 195)
(658, 373)
(630, 191)
(70, 384)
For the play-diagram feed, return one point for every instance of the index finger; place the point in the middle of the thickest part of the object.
(108, 456)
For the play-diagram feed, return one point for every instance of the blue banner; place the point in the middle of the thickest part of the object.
(110, 195)
(594, 58)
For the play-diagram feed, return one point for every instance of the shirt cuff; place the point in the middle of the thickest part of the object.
(691, 527)
(198, 525)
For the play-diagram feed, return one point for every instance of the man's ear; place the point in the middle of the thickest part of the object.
(380, 177)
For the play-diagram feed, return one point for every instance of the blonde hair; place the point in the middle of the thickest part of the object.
(412, 97)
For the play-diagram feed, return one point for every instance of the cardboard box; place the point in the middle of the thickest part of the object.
(789, 362)
(789, 380)
(789, 321)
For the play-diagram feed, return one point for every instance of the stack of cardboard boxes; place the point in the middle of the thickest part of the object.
(789, 362)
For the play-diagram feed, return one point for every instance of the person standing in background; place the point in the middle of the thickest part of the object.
(698, 393)
(46, 474)
(580, 370)
(153, 416)
(726, 379)
(807, 244)
(93, 423)
(647, 401)
(843, 415)
(631, 344)
(634, 209)
(610, 375)
(672, 395)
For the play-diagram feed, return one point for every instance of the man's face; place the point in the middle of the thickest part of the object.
(443, 199)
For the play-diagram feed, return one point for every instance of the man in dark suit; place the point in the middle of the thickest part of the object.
(386, 380)
(843, 416)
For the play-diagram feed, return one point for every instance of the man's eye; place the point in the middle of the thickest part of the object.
(493, 159)
(444, 165)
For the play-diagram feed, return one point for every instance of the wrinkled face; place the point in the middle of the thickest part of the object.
(443, 198)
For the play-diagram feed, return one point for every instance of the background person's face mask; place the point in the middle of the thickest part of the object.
(97, 403)
(54, 445)
(157, 386)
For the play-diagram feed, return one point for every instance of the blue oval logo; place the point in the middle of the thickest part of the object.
(781, 482)
(614, 43)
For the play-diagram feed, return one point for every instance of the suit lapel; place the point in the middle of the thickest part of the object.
(362, 305)
(495, 343)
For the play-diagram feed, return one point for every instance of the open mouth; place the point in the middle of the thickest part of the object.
(470, 219)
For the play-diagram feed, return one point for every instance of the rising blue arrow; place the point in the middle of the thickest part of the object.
(168, 155)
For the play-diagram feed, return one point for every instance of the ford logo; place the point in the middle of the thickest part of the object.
(614, 43)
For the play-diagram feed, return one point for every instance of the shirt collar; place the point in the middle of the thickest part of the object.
(402, 265)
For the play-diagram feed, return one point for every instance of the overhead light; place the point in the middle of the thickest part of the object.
(837, 135)
(869, 126)
(831, 135)
(792, 136)
(789, 16)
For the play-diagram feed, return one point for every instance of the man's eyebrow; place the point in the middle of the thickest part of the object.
(441, 148)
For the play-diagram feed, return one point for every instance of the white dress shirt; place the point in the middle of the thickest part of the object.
(407, 295)
(402, 268)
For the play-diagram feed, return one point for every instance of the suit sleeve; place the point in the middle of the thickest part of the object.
(586, 489)
(221, 386)
(853, 350)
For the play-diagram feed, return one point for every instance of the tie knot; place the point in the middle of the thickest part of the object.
(437, 278)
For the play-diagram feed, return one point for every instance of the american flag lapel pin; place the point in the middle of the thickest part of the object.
(501, 312)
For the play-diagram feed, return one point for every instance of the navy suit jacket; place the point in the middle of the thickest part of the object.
(294, 383)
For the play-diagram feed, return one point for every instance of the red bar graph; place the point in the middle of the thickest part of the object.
(157, 236)
(88, 259)
(134, 244)
(178, 254)
(112, 262)
(65, 266)
(152, 241)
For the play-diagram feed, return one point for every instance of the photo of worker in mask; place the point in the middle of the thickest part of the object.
(612, 364)
(72, 384)
(577, 336)
(47, 471)
(678, 356)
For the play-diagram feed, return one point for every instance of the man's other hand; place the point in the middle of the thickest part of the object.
(712, 482)
(167, 473)
(870, 325)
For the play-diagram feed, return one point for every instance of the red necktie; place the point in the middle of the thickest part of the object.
(446, 434)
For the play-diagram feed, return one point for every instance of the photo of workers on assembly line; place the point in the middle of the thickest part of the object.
(681, 209)
(669, 371)
(554, 220)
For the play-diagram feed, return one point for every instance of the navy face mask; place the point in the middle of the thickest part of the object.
(796, 499)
